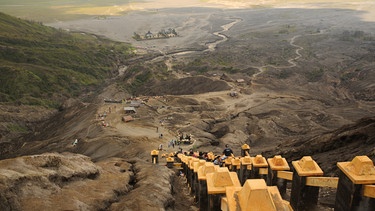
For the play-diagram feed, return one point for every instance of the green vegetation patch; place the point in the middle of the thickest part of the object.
(142, 75)
(17, 128)
(42, 65)
(314, 75)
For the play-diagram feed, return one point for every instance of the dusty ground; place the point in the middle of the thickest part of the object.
(308, 82)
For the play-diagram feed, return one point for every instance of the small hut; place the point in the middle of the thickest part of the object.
(240, 80)
(135, 103)
(127, 118)
(130, 110)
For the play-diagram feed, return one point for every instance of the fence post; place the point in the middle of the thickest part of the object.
(235, 165)
(170, 162)
(195, 185)
(277, 163)
(254, 195)
(353, 177)
(304, 197)
(190, 175)
(210, 156)
(259, 167)
(228, 162)
(245, 150)
(216, 184)
(155, 156)
(178, 157)
(208, 167)
(245, 169)
(186, 166)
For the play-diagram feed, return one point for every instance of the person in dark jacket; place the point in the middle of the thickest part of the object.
(227, 152)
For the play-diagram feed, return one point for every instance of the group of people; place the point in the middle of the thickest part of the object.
(218, 160)
(227, 152)
(184, 139)
(172, 143)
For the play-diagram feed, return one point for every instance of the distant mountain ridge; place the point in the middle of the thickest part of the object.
(41, 65)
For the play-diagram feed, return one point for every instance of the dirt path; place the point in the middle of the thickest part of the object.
(226, 27)
(291, 61)
(210, 46)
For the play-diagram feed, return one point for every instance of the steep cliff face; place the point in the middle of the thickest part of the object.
(67, 181)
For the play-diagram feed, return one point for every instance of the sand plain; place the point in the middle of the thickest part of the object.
(269, 37)
(196, 21)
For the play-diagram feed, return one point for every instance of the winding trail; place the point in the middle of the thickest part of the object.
(210, 46)
(291, 61)
(226, 27)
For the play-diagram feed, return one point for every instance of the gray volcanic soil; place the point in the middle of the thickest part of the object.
(308, 82)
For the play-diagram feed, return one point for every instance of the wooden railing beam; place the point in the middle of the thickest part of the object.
(322, 181)
(369, 191)
(287, 175)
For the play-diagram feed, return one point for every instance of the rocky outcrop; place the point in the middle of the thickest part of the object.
(152, 189)
(340, 145)
(19, 122)
(70, 181)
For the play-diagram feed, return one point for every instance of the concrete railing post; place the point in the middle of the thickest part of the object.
(228, 162)
(259, 167)
(277, 163)
(304, 197)
(155, 156)
(203, 195)
(245, 169)
(254, 195)
(353, 176)
(210, 156)
(235, 165)
(195, 185)
(170, 162)
(178, 157)
(190, 175)
(183, 163)
(216, 184)
(245, 150)
(186, 166)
